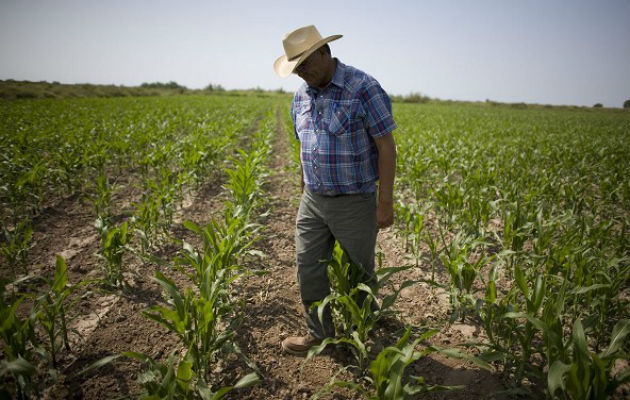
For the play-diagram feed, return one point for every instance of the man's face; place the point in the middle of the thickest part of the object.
(313, 69)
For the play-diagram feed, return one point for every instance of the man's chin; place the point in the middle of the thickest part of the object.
(314, 84)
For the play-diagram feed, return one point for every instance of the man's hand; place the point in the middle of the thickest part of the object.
(384, 214)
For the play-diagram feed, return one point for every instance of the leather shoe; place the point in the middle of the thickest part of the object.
(299, 345)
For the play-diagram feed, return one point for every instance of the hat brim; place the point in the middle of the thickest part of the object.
(284, 67)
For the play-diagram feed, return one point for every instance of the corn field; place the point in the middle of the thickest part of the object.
(170, 209)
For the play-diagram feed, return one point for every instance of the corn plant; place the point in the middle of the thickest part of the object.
(386, 378)
(353, 304)
(21, 348)
(22, 372)
(463, 258)
(199, 320)
(102, 198)
(205, 322)
(14, 248)
(223, 243)
(115, 243)
(154, 212)
(245, 180)
(174, 379)
(31, 185)
(411, 228)
(51, 310)
(585, 374)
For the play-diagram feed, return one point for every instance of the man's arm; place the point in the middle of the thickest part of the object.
(387, 171)
(301, 178)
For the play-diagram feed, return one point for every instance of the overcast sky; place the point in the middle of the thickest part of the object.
(535, 51)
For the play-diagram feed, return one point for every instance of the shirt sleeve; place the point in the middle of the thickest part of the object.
(293, 116)
(377, 105)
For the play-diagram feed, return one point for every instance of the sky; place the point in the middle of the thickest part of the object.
(573, 52)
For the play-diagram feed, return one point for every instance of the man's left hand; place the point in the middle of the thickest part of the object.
(384, 214)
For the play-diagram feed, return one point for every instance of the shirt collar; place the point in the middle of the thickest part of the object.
(338, 78)
(340, 73)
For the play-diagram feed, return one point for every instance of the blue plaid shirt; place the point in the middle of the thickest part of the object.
(336, 127)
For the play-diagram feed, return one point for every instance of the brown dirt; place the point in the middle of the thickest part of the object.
(111, 323)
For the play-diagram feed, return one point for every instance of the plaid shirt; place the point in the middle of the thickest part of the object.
(336, 127)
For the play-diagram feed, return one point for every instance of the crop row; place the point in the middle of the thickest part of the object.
(528, 214)
(155, 152)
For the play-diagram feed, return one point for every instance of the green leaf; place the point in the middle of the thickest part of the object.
(247, 381)
(17, 367)
(388, 301)
(394, 391)
(97, 364)
(519, 276)
(617, 337)
(384, 274)
(539, 294)
(189, 248)
(379, 367)
(579, 340)
(358, 344)
(555, 377)
(220, 393)
(455, 353)
(491, 292)
(173, 292)
(537, 322)
(586, 289)
(315, 350)
(184, 370)
(61, 275)
(191, 226)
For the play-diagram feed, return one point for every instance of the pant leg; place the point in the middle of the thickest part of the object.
(353, 224)
(314, 244)
(356, 230)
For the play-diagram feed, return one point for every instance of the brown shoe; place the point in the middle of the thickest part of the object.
(299, 345)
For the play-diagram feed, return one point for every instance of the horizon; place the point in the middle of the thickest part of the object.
(564, 53)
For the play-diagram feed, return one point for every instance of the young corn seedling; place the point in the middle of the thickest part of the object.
(223, 243)
(403, 216)
(155, 211)
(102, 197)
(115, 243)
(146, 220)
(204, 322)
(245, 180)
(353, 304)
(31, 185)
(457, 259)
(14, 249)
(174, 379)
(52, 311)
(525, 332)
(587, 375)
(386, 378)
(20, 347)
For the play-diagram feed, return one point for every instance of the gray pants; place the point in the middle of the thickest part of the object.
(351, 220)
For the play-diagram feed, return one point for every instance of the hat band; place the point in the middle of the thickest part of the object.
(295, 57)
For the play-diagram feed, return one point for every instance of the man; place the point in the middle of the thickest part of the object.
(344, 122)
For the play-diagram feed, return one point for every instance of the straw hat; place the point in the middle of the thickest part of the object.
(298, 45)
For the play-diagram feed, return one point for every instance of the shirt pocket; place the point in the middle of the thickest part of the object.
(340, 121)
(303, 120)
